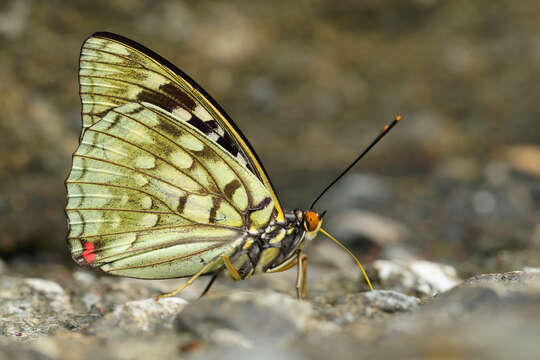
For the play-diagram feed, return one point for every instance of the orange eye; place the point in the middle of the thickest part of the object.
(311, 220)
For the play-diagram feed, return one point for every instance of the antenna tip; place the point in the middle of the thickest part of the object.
(398, 118)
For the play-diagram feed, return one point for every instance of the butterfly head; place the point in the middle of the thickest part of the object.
(312, 223)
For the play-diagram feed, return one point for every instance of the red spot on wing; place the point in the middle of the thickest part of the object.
(88, 252)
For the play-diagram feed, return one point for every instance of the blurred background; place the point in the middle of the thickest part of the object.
(310, 83)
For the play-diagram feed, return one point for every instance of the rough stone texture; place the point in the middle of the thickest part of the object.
(32, 307)
(246, 319)
(139, 316)
(69, 346)
(489, 316)
(378, 304)
(389, 301)
(512, 279)
(419, 277)
(465, 322)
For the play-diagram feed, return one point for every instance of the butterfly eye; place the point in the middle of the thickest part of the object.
(311, 220)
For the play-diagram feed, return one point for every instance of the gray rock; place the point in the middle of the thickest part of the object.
(75, 346)
(457, 302)
(490, 316)
(32, 307)
(139, 316)
(470, 321)
(512, 279)
(53, 292)
(246, 319)
(370, 304)
(389, 301)
(419, 277)
(262, 352)
(84, 277)
(481, 321)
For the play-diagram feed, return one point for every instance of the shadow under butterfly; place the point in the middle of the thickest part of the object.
(164, 185)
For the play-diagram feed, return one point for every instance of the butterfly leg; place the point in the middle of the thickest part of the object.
(289, 264)
(301, 275)
(189, 282)
(209, 285)
(232, 270)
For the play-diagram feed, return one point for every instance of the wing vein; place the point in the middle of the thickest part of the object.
(207, 170)
(139, 85)
(169, 260)
(166, 227)
(157, 156)
(135, 170)
(194, 157)
(127, 66)
(127, 210)
(123, 187)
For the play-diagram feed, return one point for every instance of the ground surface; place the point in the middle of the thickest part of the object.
(78, 316)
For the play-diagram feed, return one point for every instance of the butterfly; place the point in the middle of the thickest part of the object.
(164, 185)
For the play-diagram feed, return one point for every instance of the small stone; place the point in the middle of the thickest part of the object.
(366, 305)
(32, 307)
(458, 301)
(517, 278)
(90, 299)
(261, 352)
(48, 287)
(390, 301)
(84, 277)
(255, 317)
(140, 316)
(525, 281)
(420, 277)
(531, 270)
(229, 337)
(59, 301)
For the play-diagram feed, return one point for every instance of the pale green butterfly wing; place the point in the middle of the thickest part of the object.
(151, 196)
(115, 70)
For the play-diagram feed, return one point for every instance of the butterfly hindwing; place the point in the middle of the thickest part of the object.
(115, 70)
(152, 196)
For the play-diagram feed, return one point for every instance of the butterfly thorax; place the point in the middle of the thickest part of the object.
(273, 247)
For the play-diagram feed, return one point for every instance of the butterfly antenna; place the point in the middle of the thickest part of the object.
(350, 253)
(385, 131)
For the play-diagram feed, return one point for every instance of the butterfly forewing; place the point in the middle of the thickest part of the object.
(151, 196)
(115, 70)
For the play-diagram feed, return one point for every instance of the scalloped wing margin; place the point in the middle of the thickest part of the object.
(150, 196)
